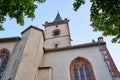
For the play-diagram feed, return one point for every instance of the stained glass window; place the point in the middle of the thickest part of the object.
(82, 74)
(80, 69)
(76, 74)
(4, 56)
(87, 73)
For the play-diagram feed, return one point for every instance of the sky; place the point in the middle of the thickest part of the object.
(80, 30)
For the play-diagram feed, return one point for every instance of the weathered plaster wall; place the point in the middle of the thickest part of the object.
(31, 57)
(60, 62)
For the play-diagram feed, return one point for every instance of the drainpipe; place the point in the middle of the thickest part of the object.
(100, 39)
(5, 71)
(50, 73)
(15, 45)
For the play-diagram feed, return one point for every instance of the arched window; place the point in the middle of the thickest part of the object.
(81, 69)
(56, 32)
(4, 56)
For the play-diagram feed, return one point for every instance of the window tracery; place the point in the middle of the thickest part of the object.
(81, 69)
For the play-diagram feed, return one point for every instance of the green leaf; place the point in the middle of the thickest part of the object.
(18, 9)
(104, 16)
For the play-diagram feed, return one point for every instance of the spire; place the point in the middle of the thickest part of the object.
(58, 17)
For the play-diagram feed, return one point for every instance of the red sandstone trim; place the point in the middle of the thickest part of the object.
(6, 50)
(48, 24)
(85, 61)
(112, 65)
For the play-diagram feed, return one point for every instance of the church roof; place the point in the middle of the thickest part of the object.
(31, 26)
(58, 17)
(75, 47)
(34, 28)
(9, 39)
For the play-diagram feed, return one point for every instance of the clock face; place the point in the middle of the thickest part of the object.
(4, 56)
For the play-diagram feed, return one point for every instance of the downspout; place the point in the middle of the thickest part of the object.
(106, 61)
(5, 71)
(50, 73)
(15, 45)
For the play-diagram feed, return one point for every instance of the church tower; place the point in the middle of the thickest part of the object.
(57, 34)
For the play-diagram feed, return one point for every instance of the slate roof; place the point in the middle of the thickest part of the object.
(58, 17)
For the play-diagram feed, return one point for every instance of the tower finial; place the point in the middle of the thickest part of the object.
(57, 11)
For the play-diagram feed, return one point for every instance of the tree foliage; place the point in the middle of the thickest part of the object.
(104, 16)
(17, 9)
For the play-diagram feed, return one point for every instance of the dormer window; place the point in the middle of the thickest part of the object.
(56, 32)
